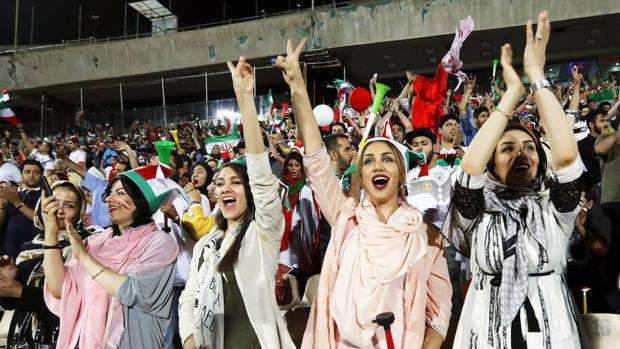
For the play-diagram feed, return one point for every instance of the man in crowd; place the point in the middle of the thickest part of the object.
(17, 209)
(77, 155)
(597, 122)
(340, 152)
(451, 136)
(607, 147)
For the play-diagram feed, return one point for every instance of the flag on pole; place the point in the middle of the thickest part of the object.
(344, 89)
(225, 142)
(6, 113)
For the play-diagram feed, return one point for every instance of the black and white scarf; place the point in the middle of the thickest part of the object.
(209, 311)
(522, 210)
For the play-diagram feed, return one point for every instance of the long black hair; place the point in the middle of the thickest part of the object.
(293, 155)
(203, 188)
(142, 215)
(230, 258)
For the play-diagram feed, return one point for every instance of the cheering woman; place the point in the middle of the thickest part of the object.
(116, 289)
(229, 299)
(381, 256)
(515, 222)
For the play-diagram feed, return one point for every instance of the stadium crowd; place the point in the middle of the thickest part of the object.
(476, 219)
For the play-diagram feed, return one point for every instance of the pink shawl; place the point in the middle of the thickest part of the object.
(87, 312)
(354, 288)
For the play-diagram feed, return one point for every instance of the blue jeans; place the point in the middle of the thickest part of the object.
(172, 338)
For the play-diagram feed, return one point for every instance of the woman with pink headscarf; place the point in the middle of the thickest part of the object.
(116, 289)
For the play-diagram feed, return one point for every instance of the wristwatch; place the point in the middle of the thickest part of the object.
(544, 83)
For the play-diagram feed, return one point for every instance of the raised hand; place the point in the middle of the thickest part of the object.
(242, 77)
(192, 192)
(9, 196)
(290, 64)
(49, 207)
(122, 146)
(78, 249)
(471, 82)
(534, 55)
(410, 76)
(576, 76)
(511, 78)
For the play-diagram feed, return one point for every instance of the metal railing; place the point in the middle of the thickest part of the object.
(92, 40)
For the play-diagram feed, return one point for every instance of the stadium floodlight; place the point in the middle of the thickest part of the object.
(162, 19)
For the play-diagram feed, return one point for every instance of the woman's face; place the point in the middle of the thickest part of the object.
(380, 172)
(215, 150)
(294, 168)
(199, 176)
(69, 206)
(516, 159)
(230, 194)
(121, 205)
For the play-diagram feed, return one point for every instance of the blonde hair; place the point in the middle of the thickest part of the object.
(402, 173)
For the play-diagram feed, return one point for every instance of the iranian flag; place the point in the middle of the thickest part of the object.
(6, 113)
(225, 142)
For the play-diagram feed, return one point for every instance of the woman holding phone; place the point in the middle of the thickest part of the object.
(116, 289)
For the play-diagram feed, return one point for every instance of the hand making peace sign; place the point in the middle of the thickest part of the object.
(290, 64)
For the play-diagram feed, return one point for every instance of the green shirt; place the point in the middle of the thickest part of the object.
(610, 173)
(238, 330)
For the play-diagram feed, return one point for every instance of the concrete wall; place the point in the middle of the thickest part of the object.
(367, 22)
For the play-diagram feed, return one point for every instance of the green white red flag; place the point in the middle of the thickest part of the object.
(6, 113)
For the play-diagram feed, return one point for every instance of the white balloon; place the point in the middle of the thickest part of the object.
(323, 114)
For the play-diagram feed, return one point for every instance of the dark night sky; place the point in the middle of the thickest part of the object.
(57, 20)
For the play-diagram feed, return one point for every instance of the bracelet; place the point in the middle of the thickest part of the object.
(506, 115)
(20, 205)
(51, 247)
(99, 272)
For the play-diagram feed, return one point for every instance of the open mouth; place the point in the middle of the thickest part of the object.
(229, 203)
(521, 167)
(380, 181)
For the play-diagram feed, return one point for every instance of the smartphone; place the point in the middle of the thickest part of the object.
(46, 187)
(614, 122)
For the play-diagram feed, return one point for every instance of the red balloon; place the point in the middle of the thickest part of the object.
(360, 99)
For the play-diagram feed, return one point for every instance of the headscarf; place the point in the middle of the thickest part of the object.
(294, 186)
(522, 209)
(38, 218)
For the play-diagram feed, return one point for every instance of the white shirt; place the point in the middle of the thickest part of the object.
(78, 156)
(42, 158)
(431, 194)
(10, 172)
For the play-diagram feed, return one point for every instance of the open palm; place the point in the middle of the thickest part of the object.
(511, 78)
